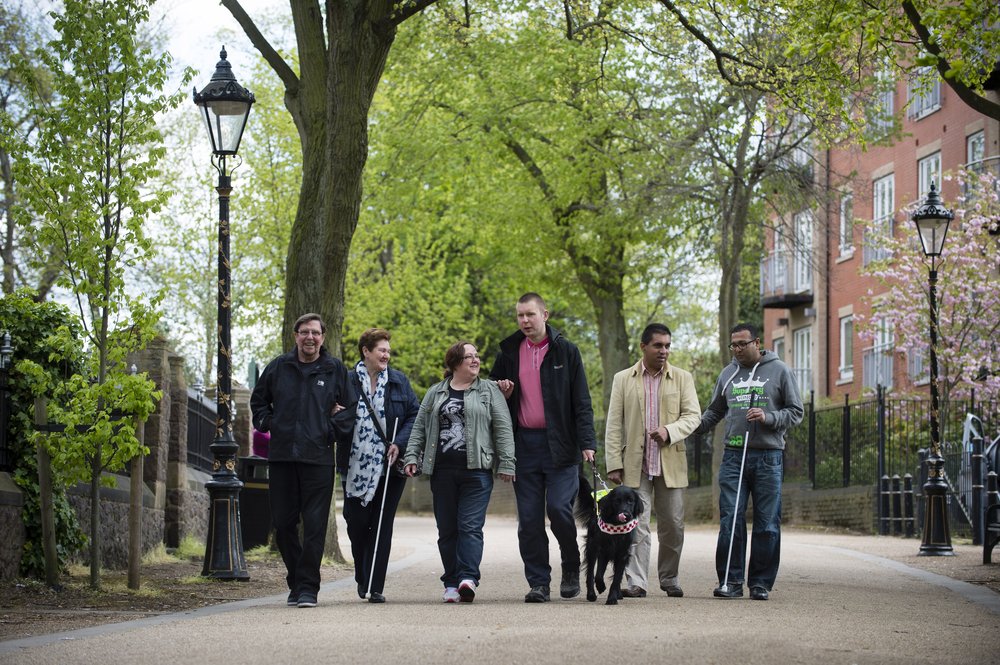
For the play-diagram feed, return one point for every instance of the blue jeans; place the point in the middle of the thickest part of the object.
(460, 500)
(542, 488)
(300, 490)
(762, 481)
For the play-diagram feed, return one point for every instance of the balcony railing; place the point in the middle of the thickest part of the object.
(786, 278)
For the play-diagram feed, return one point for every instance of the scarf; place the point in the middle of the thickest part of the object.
(367, 447)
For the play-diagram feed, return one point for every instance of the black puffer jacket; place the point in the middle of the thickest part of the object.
(569, 417)
(294, 402)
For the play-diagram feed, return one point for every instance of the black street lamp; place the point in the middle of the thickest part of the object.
(932, 220)
(225, 106)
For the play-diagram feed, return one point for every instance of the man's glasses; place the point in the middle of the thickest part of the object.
(307, 333)
(471, 356)
(739, 346)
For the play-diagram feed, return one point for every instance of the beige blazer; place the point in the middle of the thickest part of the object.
(625, 434)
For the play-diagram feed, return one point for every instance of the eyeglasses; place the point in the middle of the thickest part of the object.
(471, 356)
(307, 333)
(739, 346)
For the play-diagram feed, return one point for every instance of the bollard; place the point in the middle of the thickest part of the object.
(976, 464)
(991, 489)
(897, 507)
(883, 506)
(908, 524)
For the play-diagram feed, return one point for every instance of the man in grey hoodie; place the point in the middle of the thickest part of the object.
(759, 399)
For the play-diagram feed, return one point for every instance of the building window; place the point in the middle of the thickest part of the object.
(847, 348)
(929, 171)
(846, 224)
(975, 150)
(802, 350)
(779, 348)
(883, 205)
(922, 97)
(877, 360)
(802, 259)
(882, 111)
(918, 365)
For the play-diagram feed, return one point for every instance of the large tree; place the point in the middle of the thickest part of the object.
(342, 47)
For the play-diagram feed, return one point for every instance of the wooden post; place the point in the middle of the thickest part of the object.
(135, 512)
(48, 517)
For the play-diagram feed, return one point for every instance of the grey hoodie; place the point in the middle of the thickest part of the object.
(773, 388)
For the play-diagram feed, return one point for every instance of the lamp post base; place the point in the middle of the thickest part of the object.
(936, 537)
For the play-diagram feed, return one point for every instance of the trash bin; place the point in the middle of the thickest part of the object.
(255, 511)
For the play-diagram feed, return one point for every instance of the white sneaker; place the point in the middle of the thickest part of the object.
(467, 591)
(451, 595)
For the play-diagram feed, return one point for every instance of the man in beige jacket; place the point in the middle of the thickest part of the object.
(653, 408)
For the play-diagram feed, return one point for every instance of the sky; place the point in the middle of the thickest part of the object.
(197, 29)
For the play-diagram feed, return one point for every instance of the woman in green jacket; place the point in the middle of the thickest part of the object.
(464, 431)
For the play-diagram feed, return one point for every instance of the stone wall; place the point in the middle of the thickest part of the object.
(11, 526)
(113, 528)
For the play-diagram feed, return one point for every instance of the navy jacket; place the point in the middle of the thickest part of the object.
(400, 403)
(569, 417)
(295, 405)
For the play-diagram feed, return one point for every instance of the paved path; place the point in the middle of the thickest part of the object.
(839, 599)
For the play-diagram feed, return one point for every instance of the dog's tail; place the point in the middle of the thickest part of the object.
(586, 508)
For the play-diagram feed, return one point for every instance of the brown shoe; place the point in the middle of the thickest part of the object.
(673, 591)
(634, 592)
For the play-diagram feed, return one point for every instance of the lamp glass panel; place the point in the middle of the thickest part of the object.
(932, 234)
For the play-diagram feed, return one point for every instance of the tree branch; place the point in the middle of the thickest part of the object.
(278, 64)
(408, 9)
(971, 98)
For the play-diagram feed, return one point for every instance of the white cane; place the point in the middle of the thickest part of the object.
(739, 486)
(381, 511)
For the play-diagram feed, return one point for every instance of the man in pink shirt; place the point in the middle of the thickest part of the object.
(541, 374)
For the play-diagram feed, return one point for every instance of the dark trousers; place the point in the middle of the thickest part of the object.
(542, 488)
(363, 528)
(300, 490)
(460, 500)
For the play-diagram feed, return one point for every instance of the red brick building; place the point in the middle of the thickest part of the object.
(812, 289)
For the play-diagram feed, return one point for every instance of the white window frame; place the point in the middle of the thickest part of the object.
(802, 361)
(883, 209)
(921, 99)
(928, 171)
(778, 346)
(975, 147)
(846, 232)
(885, 106)
(847, 348)
(802, 256)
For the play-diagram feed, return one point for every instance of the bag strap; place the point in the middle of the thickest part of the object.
(378, 426)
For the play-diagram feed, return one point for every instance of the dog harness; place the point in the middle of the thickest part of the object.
(615, 529)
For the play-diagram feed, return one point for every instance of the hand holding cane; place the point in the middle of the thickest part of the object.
(381, 512)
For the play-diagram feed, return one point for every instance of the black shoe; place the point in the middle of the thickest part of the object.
(538, 594)
(306, 600)
(569, 587)
(376, 597)
(758, 593)
(634, 592)
(673, 590)
(730, 591)
(361, 591)
(293, 598)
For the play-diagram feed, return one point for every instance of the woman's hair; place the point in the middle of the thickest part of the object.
(370, 338)
(455, 356)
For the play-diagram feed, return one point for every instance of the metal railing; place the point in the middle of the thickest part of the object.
(201, 430)
(786, 271)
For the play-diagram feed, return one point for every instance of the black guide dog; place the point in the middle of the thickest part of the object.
(610, 530)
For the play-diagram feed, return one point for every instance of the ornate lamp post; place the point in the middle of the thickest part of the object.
(932, 220)
(225, 106)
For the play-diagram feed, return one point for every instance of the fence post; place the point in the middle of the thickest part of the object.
(812, 438)
(846, 458)
(883, 506)
(976, 460)
(880, 431)
(908, 529)
(897, 506)
(991, 488)
(922, 503)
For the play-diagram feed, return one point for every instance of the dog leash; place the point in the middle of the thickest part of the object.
(598, 494)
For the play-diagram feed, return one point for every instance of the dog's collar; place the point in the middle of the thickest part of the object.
(616, 528)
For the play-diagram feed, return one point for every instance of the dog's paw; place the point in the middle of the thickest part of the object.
(600, 586)
(611, 601)
(591, 596)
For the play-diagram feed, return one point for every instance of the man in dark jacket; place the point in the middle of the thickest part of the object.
(304, 399)
(541, 374)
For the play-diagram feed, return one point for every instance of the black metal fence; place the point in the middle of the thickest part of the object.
(201, 430)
